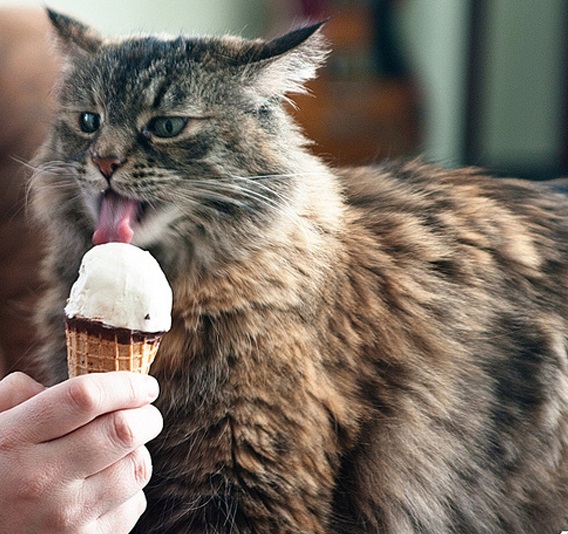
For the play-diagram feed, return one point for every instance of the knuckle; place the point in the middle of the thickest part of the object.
(121, 433)
(130, 387)
(66, 518)
(83, 395)
(142, 466)
(18, 386)
(16, 379)
(8, 441)
(33, 486)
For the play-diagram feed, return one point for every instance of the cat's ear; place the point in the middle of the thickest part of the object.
(74, 38)
(284, 64)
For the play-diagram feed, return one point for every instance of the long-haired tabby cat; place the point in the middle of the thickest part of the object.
(368, 350)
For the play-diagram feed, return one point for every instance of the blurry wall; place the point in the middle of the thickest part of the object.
(243, 17)
(434, 38)
(521, 97)
(516, 124)
(515, 94)
(508, 113)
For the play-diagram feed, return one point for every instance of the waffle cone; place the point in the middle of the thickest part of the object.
(92, 352)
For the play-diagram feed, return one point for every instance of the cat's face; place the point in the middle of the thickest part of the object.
(162, 140)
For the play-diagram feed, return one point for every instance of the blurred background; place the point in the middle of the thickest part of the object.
(461, 81)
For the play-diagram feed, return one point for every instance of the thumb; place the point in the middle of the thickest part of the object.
(17, 388)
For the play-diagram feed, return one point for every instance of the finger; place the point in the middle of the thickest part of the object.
(122, 519)
(17, 388)
(70, 405)
(118, 483)
(98, 445)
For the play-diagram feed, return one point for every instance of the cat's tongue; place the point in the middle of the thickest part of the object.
(116, 218)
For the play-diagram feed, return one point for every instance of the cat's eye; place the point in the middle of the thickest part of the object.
(166, 126)
(89, 122)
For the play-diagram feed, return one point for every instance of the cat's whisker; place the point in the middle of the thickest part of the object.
(248, 197)
(279, 205)
(199, 196)
(23, 162)
(54, 175)
(258, 177)
(238, 190)
(182, 200)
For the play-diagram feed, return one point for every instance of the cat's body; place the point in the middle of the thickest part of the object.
(373, 350)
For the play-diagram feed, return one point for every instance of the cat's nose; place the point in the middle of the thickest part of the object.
(107, 164)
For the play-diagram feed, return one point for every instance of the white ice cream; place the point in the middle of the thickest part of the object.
(121, 286)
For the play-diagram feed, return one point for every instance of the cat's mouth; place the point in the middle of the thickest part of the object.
(117, 217)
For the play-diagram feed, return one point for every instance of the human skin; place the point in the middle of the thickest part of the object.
(72, 457)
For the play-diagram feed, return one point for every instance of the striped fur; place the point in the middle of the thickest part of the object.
(370, 350)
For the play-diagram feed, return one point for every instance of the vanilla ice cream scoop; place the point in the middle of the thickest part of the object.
(121, 286)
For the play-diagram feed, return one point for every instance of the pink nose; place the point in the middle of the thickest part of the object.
(107, 165)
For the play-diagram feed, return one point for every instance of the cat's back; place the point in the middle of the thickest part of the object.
(467, 349)
(429, 214)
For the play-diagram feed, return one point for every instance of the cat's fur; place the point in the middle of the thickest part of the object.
(369, 350)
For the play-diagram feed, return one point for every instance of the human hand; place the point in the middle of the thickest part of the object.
(72, 457)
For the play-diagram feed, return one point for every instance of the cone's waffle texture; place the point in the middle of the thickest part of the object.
(89, 352)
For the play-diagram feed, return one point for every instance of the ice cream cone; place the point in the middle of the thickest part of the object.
(117, 311)
(99, 349)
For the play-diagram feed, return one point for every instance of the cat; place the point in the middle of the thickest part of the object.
(377, 349)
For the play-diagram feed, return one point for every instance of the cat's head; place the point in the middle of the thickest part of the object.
(167, 141)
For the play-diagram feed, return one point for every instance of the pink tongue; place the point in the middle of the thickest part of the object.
(115, 219)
